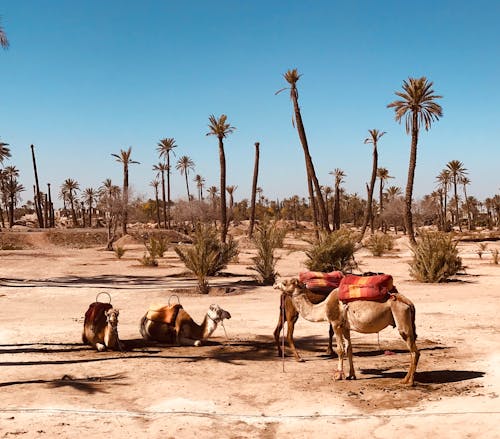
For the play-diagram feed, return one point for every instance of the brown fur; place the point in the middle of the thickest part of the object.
(97, 332)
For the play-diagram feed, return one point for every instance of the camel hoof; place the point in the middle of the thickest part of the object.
(338, 375)
(300, 360)
(100, 347)
(197, 343)
(351, 377)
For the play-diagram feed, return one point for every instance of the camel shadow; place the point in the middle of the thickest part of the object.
(428, 377)
(89, 385)
(47, 348)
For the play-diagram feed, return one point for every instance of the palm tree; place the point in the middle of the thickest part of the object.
(374, 137)
(383, 176)
(109, 197)
(184, 164)
(292, 76)
(165, 147)
(457, 172)
(254, 188)
(13, 188)
(418, 107)
(4, 152)
(338, 175)
(465, 181)
(161, 168)
(200, 182)
(154, 184)
(392, 192)
(89, 196)
(443, 180)
(69, 187)
(125, 160)
(4, 42)
(230, 190)
(221, 128)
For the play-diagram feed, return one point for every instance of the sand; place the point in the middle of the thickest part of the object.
(236, 386)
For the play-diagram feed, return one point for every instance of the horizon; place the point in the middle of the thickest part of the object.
(83, 81)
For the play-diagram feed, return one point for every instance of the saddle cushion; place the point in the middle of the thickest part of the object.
(164, 313)
(319, 282)
(95, 313)
(354, 287)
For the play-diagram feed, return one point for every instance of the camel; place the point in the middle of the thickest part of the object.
(363, 316)
(289, 313)
(172, 324)
(100, 328)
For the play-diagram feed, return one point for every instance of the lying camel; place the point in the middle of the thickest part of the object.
(172, 324)
(364, 316)
(100, 328)
(289, 314)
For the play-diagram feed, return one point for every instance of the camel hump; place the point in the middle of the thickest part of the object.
(164, 313)
(95, 313)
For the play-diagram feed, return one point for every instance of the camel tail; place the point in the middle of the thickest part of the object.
(413, 312)
(142, 328)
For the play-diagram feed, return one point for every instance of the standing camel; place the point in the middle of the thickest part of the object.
(364, 316)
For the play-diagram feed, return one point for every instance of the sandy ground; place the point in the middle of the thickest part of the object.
(53, 386)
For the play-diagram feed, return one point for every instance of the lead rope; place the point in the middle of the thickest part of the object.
(282, 299)
(223, 327)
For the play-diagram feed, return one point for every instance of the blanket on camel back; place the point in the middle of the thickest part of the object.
(375, 287)
(95, 314)
(164, 313)
(319, 282)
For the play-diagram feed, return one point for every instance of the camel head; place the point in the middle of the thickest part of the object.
(289, 286)
(112, 316)
(217, 314)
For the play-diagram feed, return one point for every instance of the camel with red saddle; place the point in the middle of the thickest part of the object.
(345, 310)
(100, 327)
(173, 325)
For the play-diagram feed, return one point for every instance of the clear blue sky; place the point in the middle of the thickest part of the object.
(82, 80)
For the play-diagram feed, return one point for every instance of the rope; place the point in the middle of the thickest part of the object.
(282, 300)
(223, 327)
(103, 292)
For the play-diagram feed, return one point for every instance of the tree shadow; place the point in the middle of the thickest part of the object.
(428, 377)
(88, 385)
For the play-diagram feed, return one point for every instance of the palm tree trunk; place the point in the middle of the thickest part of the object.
(411, 177)
(168, 188)
(73, 213)
(254, 188)
(187, 185)
(369, 204)
(157, 207)
(125, 199)
(223, 212)
(164, 201)
(469, 222)
(336, 208)
(381, 204)
(309, 163)
(314, 209)
(38, 201)
(51, 208)
(457, 219)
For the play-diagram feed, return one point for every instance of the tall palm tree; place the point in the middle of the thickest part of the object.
(4, 42)
(338, 175)
(230, 190)
(464, 180)
(220, 128)
(184, 164)
(383, 176)
(457, 172)
(126, 161)
(443, 180)
(418, 107)
(374, 137)
(69, 187)
(292, 76)
(254, 188)
(393, 192)
(200, 182)
(165, 147)
(154, 184)
(109, 198)
(13, 188)
(89, 196)
(161, 168)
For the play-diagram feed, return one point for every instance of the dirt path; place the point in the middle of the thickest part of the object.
(53, 386)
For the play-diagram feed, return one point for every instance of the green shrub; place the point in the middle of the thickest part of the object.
(156, 246)
(207, 255)
(267, 238)
(119, 251)
(334, 251)
(379, 243)
(481, 248)
(148, 261)
(435, 257)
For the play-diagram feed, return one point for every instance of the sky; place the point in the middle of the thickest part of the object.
(83, 80)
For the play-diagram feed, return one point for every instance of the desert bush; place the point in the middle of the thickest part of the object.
(334, 251)
(207, 255)
(267, 238)
(77, 238)
(494, 255)
(156, 247)
(481, 248)
(435, 257)
(119, 251)
(379, 243)
(148, 261)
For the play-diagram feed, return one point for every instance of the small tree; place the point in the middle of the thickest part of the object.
(267, 238)
(207, 255)
(334, 251)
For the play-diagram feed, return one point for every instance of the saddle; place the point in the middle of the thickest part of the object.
(95, 313)
(375, 287)
(164, 313)
(321, 283)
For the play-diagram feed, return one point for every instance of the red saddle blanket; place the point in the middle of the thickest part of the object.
(375, 287)
(319, 282)
(95, 313)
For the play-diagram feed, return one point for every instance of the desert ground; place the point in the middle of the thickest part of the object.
(235, 385)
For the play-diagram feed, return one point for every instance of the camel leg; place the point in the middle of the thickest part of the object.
(329, 350)
(100, 347)
(186, 341)
(337, 329)
(405, 322)
(347, 335)
(291, 316)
